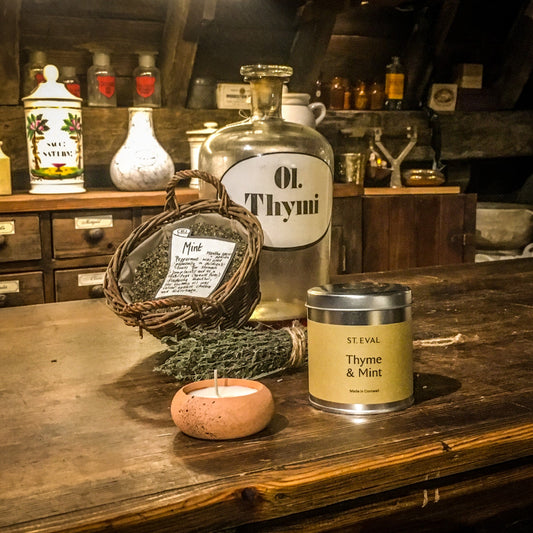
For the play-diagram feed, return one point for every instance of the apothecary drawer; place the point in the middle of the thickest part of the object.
(20, 238)
(148, 212)
(89, 233)
(79, 283)
(21, 288)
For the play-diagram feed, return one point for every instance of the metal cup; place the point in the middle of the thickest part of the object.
(350, 168)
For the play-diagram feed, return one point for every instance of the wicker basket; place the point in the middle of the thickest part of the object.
(232, 302)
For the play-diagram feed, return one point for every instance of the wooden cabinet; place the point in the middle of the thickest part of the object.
(404, 231)
(57, 247)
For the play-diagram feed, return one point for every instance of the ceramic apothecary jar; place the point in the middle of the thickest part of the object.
(54, 137)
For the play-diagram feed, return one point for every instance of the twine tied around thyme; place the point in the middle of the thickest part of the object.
(299, 348)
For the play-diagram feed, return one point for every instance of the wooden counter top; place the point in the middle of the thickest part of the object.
(87, 443)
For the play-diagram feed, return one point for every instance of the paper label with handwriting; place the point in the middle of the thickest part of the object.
(197, 265)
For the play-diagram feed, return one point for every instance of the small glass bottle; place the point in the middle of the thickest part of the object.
(70, 80)
(337, 93)
(33, 71)
(377, 96)
(147, 82)
(283, 173)
(101, 82)
(361, 96)
(394, 84)
(318, 91)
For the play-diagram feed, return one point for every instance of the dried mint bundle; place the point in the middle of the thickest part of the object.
(153, 269)
(246, 353)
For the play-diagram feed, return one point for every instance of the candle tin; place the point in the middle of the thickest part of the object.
(360, 347)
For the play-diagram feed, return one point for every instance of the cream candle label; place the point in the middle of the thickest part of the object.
(360, 364)
(197, 265)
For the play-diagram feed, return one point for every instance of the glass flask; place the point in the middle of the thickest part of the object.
(283, 173)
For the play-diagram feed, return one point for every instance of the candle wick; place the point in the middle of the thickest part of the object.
(216, 383)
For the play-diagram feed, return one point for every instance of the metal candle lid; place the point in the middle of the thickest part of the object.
(359, 296)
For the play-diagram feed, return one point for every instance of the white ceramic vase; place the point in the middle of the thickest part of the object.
(141, 163)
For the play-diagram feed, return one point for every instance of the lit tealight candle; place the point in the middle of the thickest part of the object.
(220, 409)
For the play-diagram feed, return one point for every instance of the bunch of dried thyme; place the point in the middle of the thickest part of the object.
(246, 353)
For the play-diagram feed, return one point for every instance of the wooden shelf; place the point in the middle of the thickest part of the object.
(382, 191)
(104, 199)
(101, 199)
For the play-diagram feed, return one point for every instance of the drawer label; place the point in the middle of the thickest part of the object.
(101, 221)
(9, 286)
(7, 227)
(91, 278)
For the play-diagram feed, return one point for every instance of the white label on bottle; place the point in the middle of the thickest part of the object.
(7, 287)
(197, 265)
(102, 221)
(7, 227)
(91, 278)
(291, 195)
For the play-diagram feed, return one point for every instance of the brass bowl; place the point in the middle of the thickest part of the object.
(422, 177)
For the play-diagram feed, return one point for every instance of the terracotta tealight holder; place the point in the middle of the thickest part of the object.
(222, 409)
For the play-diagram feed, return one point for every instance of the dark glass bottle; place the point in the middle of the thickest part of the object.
(394, 85)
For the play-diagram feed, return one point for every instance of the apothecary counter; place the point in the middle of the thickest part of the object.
(87, 442)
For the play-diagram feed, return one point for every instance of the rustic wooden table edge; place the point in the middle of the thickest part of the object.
(306, 483)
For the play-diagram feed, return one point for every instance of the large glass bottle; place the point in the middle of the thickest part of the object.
(283, 173)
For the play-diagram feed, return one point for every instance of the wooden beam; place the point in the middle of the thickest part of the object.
(9, 51)
(424, 46)
(178, 48)
(518, 64)
(311, 41)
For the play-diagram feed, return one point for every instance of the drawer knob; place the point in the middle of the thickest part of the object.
(3, 240)
(96, 291)
(3, 300)
(94, 235)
